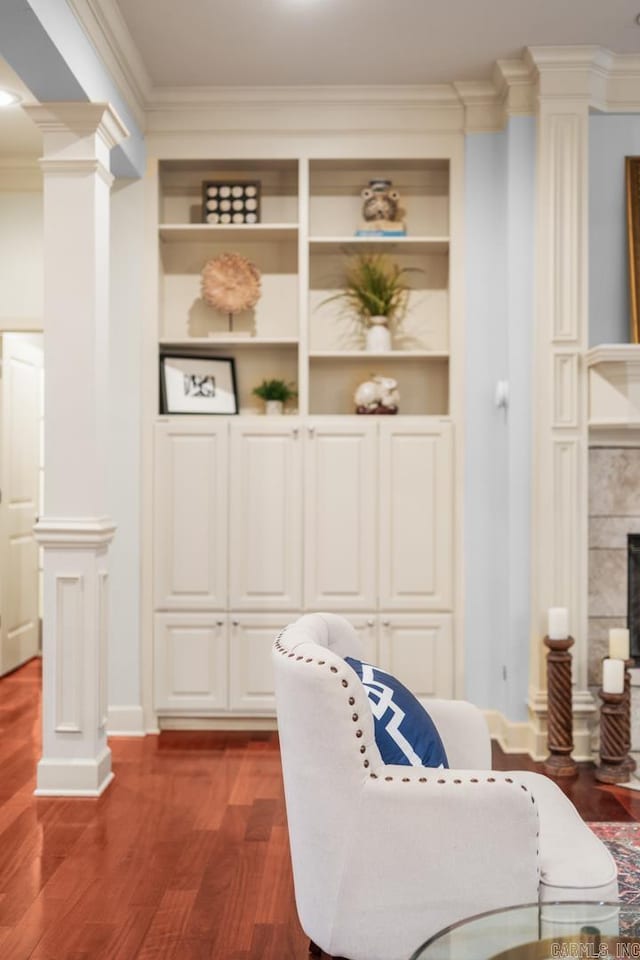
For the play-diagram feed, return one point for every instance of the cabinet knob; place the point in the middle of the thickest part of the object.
(235, 623)
(386, 623)
(294, 433)
(370, 623)
(311, 430)
(219, 623)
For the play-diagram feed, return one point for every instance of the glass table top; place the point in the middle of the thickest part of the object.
(541, 931)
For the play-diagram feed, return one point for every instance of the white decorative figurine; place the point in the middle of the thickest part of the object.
(378, 395)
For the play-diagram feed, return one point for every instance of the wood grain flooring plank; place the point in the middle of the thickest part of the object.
(126, 939)
(276, 898)
(42, 915)
(162, 940)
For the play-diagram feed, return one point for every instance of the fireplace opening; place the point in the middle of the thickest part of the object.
(633, 594)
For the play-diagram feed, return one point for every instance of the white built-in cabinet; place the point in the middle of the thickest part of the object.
(308, 520)
(259, 519)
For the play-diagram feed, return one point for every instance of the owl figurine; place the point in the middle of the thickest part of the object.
(381, 207)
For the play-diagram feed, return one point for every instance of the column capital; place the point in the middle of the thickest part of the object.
(80, 119)
(586, 76)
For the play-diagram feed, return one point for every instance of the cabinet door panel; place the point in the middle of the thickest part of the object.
(190, 535)
(416, 516)
(251, 684)
(190, 662)
(266, 516)
(418, 650)
(340, 524)
(366, 626)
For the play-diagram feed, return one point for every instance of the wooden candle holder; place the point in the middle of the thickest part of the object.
(629, 763)
(559, 763)
(613, 739)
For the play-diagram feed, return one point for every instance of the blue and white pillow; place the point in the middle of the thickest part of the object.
(404, 731)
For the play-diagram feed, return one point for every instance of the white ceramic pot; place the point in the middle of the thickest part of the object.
(273, 407)
(378, 336)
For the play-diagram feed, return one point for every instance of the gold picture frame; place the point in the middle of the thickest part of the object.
(632, 176)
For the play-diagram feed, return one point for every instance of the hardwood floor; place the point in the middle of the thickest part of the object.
(185, 857)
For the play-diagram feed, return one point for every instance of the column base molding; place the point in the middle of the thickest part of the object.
(74, 778)
(125, 721)
(74, 532)
(584, 715)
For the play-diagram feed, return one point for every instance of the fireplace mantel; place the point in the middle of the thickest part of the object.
(614, 393)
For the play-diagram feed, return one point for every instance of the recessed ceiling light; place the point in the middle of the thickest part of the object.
(8, 97)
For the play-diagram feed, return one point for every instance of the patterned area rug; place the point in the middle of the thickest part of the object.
(623, 840)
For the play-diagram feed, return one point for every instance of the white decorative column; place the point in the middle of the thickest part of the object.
(75, 530)
(559, 559)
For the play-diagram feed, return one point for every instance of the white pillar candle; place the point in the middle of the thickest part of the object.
(613, 675)
(558, 623)
(619, 643)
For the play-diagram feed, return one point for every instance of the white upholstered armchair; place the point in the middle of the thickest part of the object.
(385, 856)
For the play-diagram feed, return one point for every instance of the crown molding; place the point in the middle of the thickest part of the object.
(515, 81)
(308, 110)
(107, 31)
(168, 98)
(489, 104)
(587, 74)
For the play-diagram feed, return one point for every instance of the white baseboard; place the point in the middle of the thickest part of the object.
(217, 723)
(125, 722)
(523, 737)
(512, 737)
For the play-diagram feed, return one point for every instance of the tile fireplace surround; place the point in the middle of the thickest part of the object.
(614, 499)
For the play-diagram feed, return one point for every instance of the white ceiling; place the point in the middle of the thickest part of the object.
(273, 42)
(19, 136)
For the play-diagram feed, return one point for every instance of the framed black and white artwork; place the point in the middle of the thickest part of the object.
(192, 384)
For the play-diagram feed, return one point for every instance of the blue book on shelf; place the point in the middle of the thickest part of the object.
(381, 233)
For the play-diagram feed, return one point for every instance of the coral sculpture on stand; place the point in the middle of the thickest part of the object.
(231, 284)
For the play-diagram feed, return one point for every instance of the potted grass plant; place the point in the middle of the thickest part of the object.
(376, 293)
(275, 394)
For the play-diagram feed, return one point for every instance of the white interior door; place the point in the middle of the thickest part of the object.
(20, 425)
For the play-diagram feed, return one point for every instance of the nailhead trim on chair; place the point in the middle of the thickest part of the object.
(345, 683)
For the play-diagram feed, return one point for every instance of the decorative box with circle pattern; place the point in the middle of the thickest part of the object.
(230, 202)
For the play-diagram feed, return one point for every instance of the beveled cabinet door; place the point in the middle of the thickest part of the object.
(417, 648)
(251, 682)
(265, 547)
(190, 662)
(340, 514)
(416, 514)
(190, 510)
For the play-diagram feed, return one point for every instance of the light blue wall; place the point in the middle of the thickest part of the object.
(611, 138)
(499, 216)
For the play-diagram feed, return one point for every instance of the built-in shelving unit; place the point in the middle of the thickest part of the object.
(310, 212)
(257, 518)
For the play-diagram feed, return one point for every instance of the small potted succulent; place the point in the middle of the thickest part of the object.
(376, 292)
(275, 394)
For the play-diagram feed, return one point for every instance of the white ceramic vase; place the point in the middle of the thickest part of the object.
(273, 408)
(378, 336)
